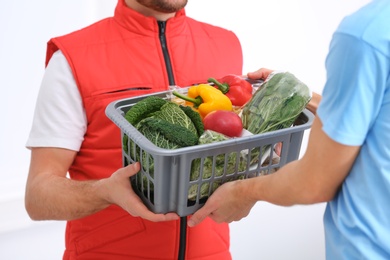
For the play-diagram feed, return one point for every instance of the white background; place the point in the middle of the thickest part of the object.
(279, 34)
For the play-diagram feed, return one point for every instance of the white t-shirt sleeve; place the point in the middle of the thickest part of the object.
(59, 117)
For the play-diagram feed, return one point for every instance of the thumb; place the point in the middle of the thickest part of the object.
(132, 169)
(199, 216)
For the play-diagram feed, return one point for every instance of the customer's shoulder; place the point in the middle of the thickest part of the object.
(369, 24)
(374, 16)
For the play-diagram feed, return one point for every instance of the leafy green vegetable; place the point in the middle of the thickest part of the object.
(165, 134)
(172, 113)
(223, 163)
(144, 108)
(276, 104)
(162, 122)
(140, 110)
(195, 118)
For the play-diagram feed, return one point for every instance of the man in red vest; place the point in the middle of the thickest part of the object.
(76, 169)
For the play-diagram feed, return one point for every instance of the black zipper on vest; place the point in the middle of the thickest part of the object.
(171, 79)
(167, 59)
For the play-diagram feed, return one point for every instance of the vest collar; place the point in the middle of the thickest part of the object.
(141, 24)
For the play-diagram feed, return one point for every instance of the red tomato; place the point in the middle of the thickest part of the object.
(224, 122)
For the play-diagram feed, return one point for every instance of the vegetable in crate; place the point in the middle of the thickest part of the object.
(140, 110)
(160, 127)
(237, 89)
(167, 125)
(224, 122)
(144, 108)
(224, 163)
(206, 99)
(276, 104)
(165, 134)
(173, 113)
(195, 118)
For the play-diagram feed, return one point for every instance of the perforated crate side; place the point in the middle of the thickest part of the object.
(167, 188)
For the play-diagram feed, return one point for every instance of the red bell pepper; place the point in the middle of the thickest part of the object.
(237, 89)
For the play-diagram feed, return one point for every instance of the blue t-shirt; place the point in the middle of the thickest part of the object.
(355, 110)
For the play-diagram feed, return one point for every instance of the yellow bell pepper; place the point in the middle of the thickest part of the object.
(206, 98)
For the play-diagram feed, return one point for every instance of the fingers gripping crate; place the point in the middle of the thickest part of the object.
(180, 180)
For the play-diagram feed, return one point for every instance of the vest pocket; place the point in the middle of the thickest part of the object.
(114, 231)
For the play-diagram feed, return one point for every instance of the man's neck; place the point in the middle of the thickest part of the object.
(147, 11)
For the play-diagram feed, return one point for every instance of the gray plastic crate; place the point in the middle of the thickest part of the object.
(165, 183)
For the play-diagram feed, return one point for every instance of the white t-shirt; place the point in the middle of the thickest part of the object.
(59, 118)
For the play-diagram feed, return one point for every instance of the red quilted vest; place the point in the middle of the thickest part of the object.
(113, 59)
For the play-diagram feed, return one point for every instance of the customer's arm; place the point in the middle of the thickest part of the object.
(50, 195)
(314, 102)
(314, 178)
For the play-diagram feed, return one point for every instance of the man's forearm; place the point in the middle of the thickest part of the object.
(59, 198)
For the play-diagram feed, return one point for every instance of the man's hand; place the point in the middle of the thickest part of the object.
(50, 195)
(228, 203)
(262, 73)
(118, 190)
